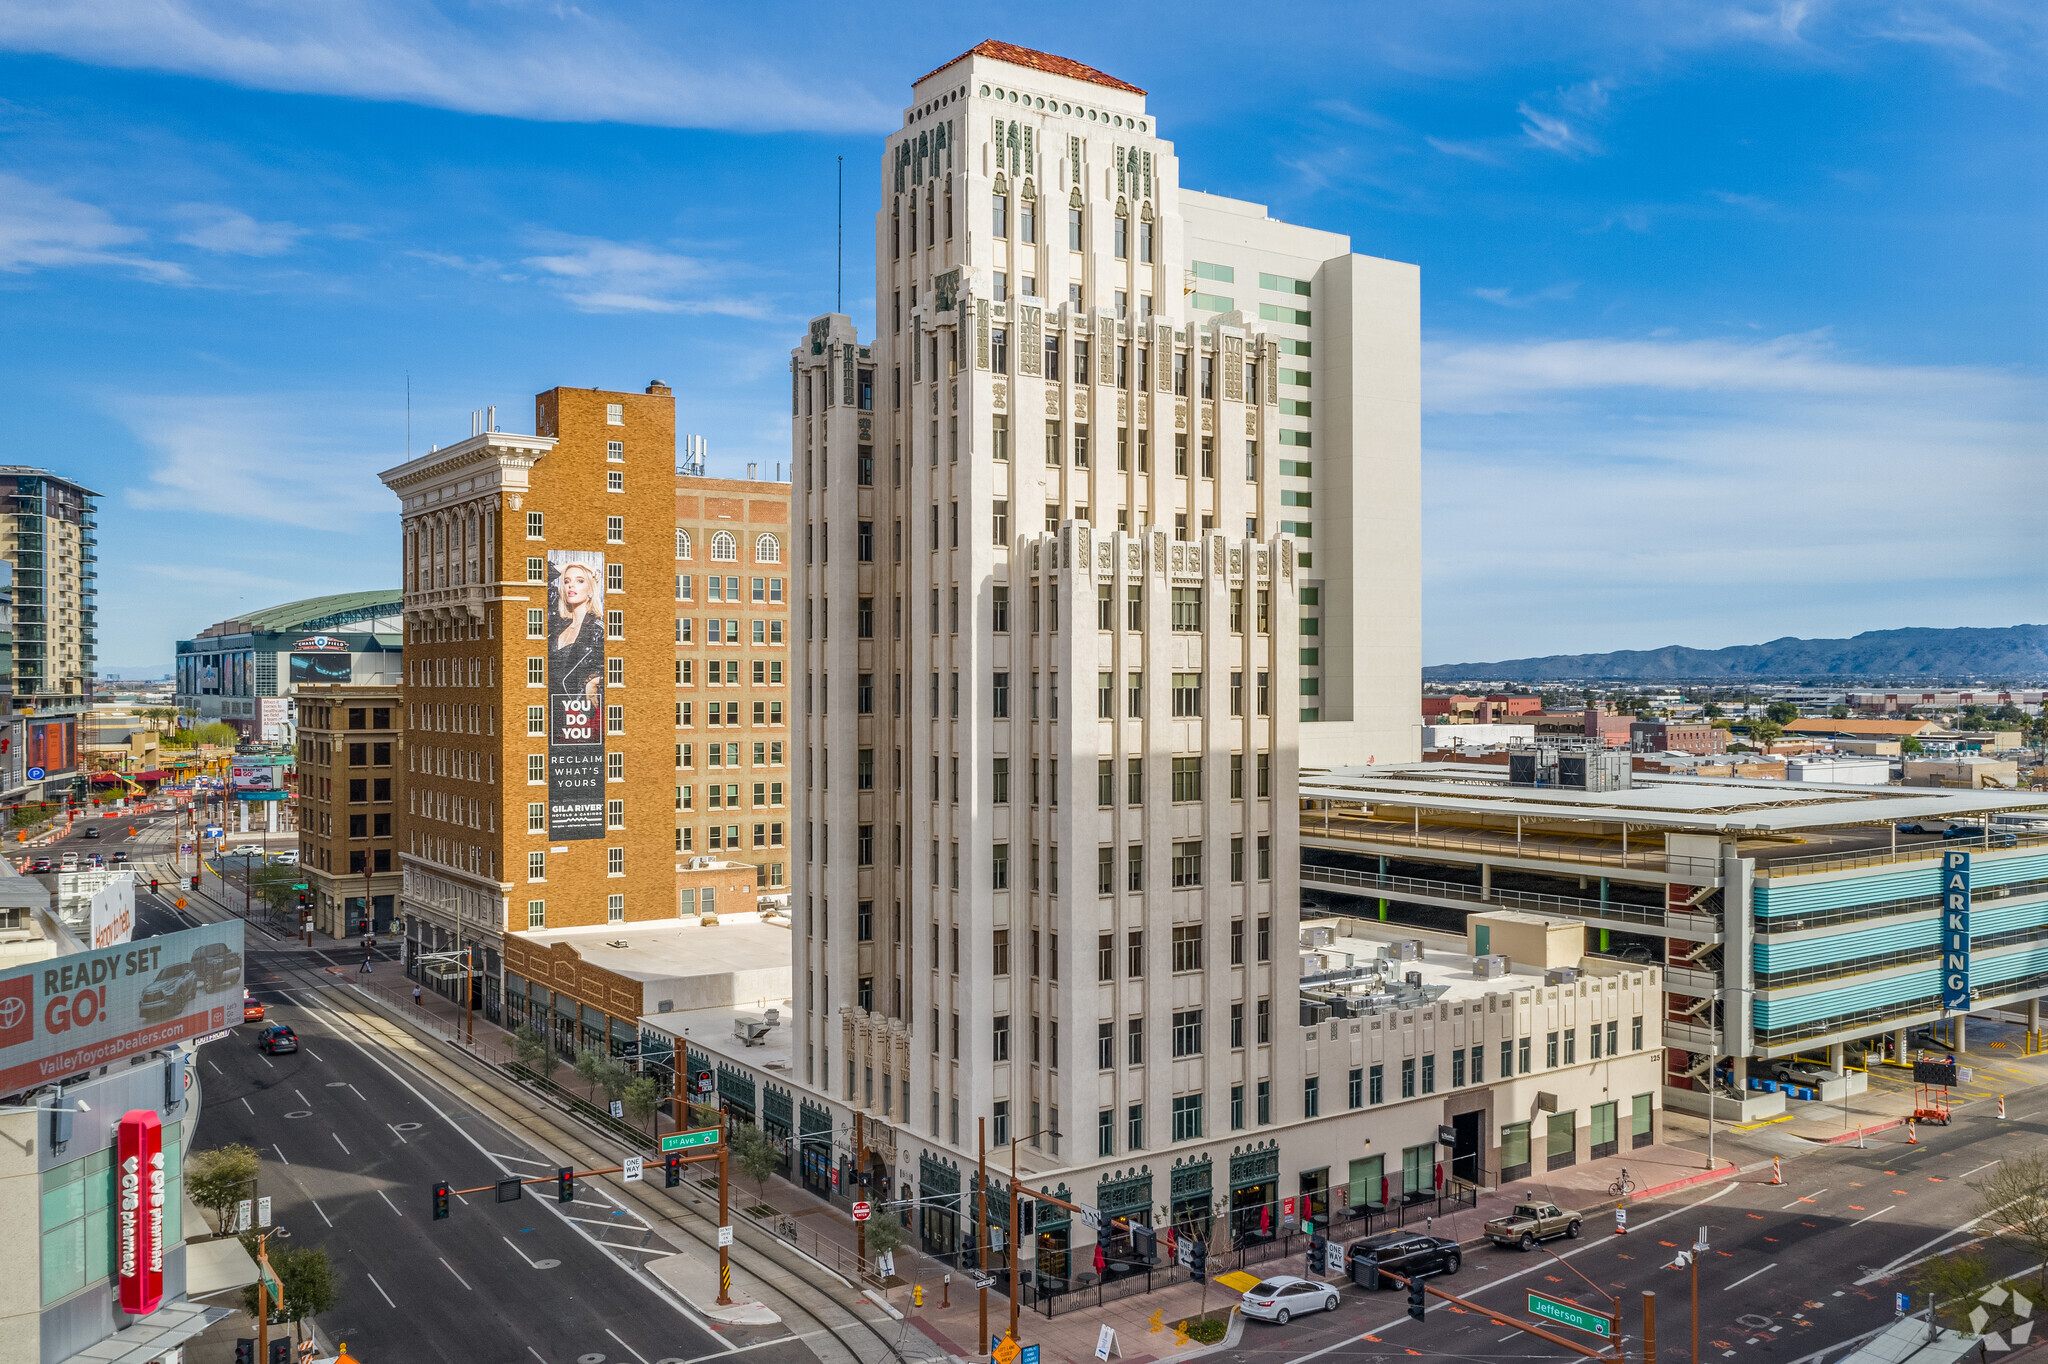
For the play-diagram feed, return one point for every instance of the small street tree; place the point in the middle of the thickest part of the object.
(643, 1100)
(2013, 1199)
(753, 1150)
(219, 1177)
(536, 1053)
(304, 1274)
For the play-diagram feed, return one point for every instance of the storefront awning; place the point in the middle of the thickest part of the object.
(217, 1266)
(154, 1336)
(154, 774)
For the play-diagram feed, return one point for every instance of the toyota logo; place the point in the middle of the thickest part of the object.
(11, 1011)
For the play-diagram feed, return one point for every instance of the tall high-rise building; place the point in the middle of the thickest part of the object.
(49, 533)
(1089, 550)
(538, 676)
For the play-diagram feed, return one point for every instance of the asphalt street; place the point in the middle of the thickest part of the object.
(1796, 1272)
(352, 1145)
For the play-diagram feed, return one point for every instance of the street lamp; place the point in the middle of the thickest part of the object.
(1016, 1241)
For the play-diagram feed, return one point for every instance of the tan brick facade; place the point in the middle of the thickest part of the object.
(734, 694)
(485, 849)
(351, 801)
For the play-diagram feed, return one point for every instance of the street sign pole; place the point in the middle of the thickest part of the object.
(981, 1216)
(724, 1221)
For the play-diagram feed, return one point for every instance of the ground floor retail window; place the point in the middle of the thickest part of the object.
(1559, 1143)
(1639, 1121)
(1418, 1178)
(1604, 1138)
(1514, 1151)
(1368, 1182)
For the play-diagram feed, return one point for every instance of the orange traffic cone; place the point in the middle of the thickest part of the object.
(1911, 1138)
(1777, 1175)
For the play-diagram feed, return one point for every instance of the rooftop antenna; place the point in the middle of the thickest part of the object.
(839, 285)
(408, 414)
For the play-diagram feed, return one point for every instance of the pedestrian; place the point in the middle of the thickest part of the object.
(366, 963)
(415, 996)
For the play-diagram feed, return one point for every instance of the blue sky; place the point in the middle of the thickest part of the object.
(1732, 313)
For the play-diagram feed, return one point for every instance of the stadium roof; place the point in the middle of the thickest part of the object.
(314, 613)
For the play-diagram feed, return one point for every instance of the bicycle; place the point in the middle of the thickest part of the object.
(1623, 1186)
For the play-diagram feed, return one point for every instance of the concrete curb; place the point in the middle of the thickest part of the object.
(1231, 1335)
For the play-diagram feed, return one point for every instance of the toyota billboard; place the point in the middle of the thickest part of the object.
(72, 1013)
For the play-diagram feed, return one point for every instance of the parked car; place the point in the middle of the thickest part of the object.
(1533, 1222)
(1285, 1296)
(174, 988)
(285, 859)
(217, 964)
(1788, 1071)
(1400, 1252)
(1974, 833)
(278, 1038)
(252, 1008)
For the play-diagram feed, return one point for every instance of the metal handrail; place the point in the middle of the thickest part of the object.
(1456, 890)
(1819, 862)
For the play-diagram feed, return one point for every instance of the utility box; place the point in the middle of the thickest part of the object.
(1530, 942)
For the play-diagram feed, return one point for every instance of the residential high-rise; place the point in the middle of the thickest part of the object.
(732, 681)
(49, 533)
(538, 676)
(1066, 616)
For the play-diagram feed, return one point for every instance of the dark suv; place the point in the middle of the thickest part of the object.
(218, 965)
(1400, 1252)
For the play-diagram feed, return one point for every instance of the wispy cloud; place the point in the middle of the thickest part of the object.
(1508, 298)
(254, 459)
(41, 229)
(1751, 489)
(1562, 121)
(600, 276)
(553, 62)
(1510, 376)
(1486, 153)
(229, 231)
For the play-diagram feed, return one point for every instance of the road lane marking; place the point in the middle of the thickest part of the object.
(519, 1160)
(1726, 1188)
(245, 1104)
(388, 1203)
(535, 1353)
(458, 1278)
(1747, 1277)
(644, 1250)
(380, 1289)
(280, 1152)
(1808, 1199)
(342, 1144)
(396, 1133)
(323, 1015)
(316, 1056)
(302, 1097)
(322, 1211)
(615, 1336)
(1879, 1213)
(215, 1069)
(266, 1060)
(360, 1095)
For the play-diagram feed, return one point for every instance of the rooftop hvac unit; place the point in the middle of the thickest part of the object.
(1560, 975)
(1489, 967)
(1408, 949)
(1413, 977)
(1315, 937)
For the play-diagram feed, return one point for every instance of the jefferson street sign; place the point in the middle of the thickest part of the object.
(683, 1141)
(1564, 1314)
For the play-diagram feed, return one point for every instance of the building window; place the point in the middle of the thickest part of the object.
(1263, 1016)
(1187, 609)
(536, 769)
(1187, 1113)
(1134, 1127)
(1187, 694)
(1312, 1097)
(615, 529)
(615, 909)
(1187, 779)
(1429, 1074)
(1376, 1090)
(1187, 1033)
(1134, 953)
(536, 914)
(536, 866)
(1356, 1090)
(1265, 1102)
(1187, 864)
(1408, 1078)
(1635, 1033)
(1105, 1132)
(1187, 947)
(537, 624)
(615, 861)
(1001, 1038)
(767, 550)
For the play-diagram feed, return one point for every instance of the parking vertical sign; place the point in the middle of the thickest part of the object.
(1955, 932)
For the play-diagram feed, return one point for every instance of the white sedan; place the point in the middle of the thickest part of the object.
(1284, 1296)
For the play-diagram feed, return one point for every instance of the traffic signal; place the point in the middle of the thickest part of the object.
(1198, 1261)
(673, 1172)
(245, 1352)
(440, 1200)
(152, 885)
(1418, 1300)
(1318, 1257)
(195, 881)
(1145, 1242)
(281, 1350)
(565, 1184)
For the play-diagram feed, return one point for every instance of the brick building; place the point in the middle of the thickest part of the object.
(351, 793)
(732, 681)
(1675, 736)
(538, 676)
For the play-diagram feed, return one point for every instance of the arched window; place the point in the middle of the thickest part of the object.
(682, 544)
(725, 549)
(767, 550)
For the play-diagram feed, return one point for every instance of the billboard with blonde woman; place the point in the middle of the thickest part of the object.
(576, 665)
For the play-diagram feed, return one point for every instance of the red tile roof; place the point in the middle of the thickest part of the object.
(1037, 61)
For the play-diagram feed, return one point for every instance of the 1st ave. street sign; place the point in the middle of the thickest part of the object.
(1564, 1314)
(683, 1141)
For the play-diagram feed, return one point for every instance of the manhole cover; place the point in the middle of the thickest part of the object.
(546, 1264)
(301, 1113)
(590, 1359)
(405, 1127)
(1753, 1321)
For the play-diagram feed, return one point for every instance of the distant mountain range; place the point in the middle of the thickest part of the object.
(2011, 653)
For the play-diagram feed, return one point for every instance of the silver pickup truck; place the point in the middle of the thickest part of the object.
(1532, 1222)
